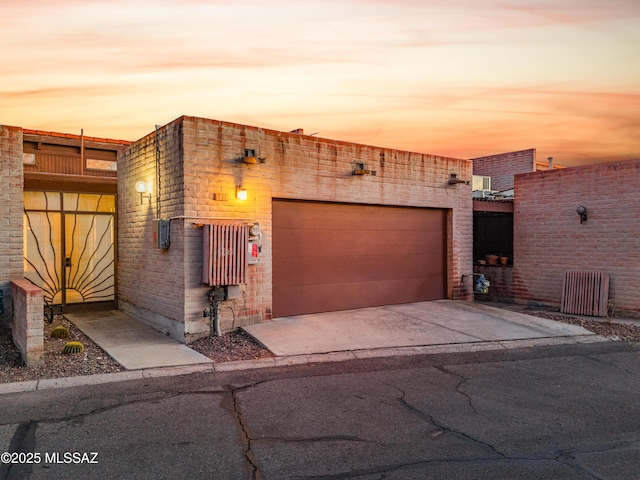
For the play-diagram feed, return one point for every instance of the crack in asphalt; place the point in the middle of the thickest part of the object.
(556, 456)
(430, 419)
(462, 381)
(383, 470)
(158, 396)
(568, 456)
(254, 471)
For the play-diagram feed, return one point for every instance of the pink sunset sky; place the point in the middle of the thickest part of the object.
(449, 77)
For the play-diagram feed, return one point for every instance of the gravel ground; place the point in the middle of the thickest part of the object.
(612, 330)
(229, 347)
(56, 364)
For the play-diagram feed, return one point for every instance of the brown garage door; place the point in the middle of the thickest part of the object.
(329, 257)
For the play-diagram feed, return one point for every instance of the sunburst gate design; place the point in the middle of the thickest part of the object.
(83, 227)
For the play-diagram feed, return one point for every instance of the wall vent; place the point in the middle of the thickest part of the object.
(224, 250)
(585, 293)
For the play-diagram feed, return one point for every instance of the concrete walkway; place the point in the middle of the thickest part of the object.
(136, 345)
(411, 329)
(133, 344)
(442, 322)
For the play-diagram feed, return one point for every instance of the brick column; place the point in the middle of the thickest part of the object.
(11, 211)
(27, 327)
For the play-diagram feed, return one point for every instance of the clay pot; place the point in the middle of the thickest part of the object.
(504, 260)
(492, 259)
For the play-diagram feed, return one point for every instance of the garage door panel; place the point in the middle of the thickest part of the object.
(330, 270)
(341, 217)
(327, 298)
(350, 243)
(340, 256)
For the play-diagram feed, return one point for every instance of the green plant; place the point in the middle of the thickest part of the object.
(73, 347)
(60, 332)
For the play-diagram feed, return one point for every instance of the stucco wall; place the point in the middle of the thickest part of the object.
(11, 211)
(549, 238)
(203, 158)
(502, 167)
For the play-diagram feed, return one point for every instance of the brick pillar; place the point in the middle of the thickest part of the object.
(27, 323)
(11, 211)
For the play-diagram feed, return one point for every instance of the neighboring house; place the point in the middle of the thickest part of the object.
(493, 199)
(550, 237)
(545, 231)
(327, 225)
(57, 215)
(503, 166)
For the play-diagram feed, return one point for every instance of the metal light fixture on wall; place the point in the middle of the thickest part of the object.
(143, 188)
(454, 180)
(582, 211)
(241, 193)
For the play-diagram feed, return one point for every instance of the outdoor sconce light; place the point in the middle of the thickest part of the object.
(454, 180)
(251, 158)
(582, 211)
(362, 169)
(241, 193)
(142, 188)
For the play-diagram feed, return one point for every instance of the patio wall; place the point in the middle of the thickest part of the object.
(549, 238)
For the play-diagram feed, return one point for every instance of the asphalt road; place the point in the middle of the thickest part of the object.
(562, 412)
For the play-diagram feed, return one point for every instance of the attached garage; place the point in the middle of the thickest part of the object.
(335, 256)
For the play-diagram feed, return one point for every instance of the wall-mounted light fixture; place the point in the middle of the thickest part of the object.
(454, 180)
(143, 188)
(250, 157)
(582, 211)
(362, 169)
(241, 193)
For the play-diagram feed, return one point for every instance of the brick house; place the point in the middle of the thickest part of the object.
(332, 225)
(493, 214)
(548, 238)
(57, 226)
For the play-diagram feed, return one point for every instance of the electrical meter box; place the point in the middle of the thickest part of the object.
(161, 233)
(254, 247)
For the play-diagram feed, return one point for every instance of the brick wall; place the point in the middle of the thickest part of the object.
(151, 280)
(200, 160)
(549, 239)
(27, 330)
(502, 167)
(11, 211)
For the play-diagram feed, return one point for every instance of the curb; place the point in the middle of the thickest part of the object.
(99, 379)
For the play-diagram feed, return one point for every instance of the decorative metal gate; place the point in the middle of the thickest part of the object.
(69, 245)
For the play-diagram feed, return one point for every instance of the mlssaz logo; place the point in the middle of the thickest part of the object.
(71, 457)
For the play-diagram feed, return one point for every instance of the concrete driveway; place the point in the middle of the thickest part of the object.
(442, 322)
